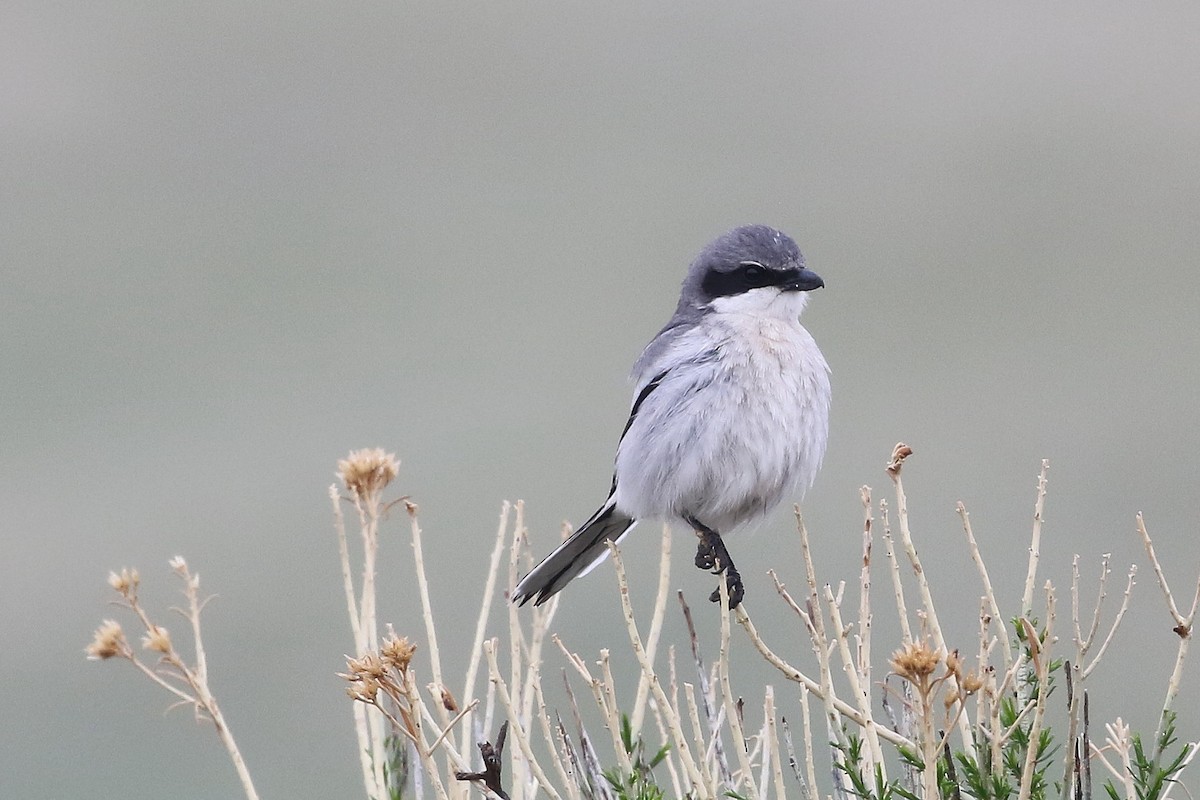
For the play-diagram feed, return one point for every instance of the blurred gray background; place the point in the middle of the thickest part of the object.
(238, 240)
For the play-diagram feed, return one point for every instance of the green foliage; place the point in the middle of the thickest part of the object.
(639, 784)
(984, 780)
(851, 765)
(1028, 679)
(1150, 774)
(976, 776)
(395, 766)
(980, 780)
(1016, 750)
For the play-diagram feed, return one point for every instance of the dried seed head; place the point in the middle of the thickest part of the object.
(125, 582)
(157, 640)
(900, 452)
(365, 676)
(369, 666)
(365, 690)
(953, 663)
(107, 641)
(448, 701)
(397, 652)
(915, 662)
(366, 472)
(972, 683)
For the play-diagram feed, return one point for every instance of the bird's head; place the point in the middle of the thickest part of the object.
(753, 269)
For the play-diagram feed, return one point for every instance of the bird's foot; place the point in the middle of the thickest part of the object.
(706, 554)
(712, 556)
(733, 580)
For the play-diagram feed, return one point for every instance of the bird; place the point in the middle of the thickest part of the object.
(730, 412)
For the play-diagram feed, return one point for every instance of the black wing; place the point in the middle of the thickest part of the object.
(654, 383)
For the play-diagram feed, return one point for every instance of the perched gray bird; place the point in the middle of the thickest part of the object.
(730, 414)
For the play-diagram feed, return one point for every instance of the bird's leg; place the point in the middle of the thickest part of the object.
(732, 578)
(706, 549)
(712, 555)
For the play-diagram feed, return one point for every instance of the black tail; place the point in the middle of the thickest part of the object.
(586, 548)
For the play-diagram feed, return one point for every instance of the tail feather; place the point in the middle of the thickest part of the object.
(583, 550)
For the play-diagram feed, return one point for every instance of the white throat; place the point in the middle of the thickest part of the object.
(767, 301)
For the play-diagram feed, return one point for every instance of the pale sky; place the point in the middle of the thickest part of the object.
(240, 240)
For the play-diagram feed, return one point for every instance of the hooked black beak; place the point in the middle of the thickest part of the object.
(805, 281)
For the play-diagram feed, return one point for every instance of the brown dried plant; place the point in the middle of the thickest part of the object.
(187, 682)
(948, 718)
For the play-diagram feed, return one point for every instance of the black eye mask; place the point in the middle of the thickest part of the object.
(745, 277)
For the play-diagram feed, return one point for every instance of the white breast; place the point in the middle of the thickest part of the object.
(726, 440)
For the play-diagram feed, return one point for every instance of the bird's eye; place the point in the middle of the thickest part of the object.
(753, 272)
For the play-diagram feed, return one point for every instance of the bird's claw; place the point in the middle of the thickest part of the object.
(737, 592)
(712, 556)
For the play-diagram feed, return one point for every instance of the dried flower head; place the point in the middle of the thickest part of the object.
(366, 472)
(915, 662)
(397, 652)
(366, 689)
(125, 582)
(368, 666)
(972, 683)
(366, 676)
(157, 640)
(107, 641)
(900, 452)
(953, 663)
